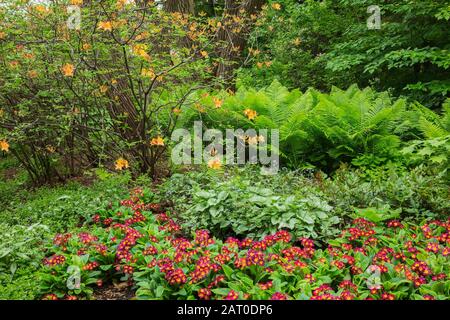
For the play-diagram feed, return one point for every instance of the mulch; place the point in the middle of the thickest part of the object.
(120, 291)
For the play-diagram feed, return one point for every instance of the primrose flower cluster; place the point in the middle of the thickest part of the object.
(143, 245)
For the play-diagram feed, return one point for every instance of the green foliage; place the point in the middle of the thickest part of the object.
(389, 191)
(241, 200)
(329, 43)
(73, 98)
(60, 207)
(28, 218)
(242, 205)
(417, 192)
(277, 267)
(319, 129)
(11, 183)
(434, 150)
(298, 52)
(377, 214)
(22, 287)
(19, 245)
(431, 124)
(74, 101)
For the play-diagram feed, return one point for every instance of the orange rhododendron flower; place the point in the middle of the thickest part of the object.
(32, 74)
(14, 64)
(76, 2)
(217, 102)
(120, 4)
(200, 108)
(41, 9)
(148, 73)
(50, 148)
(103, 88)
(276, 6)
(4, 145)
(176, 111)
(142, 36)
(215, 163)
(28, 55)
(158, 141)
(250, 114)
(121, 164)
(86, 46)
(141, 51)
(2, 35)
(105, 25)
(254, 52)
(68, 70)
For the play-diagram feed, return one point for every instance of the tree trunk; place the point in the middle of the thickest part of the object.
(182, 6)
(234, 42)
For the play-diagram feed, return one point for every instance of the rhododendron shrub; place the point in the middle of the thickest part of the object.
(75, 94)
(142, 245)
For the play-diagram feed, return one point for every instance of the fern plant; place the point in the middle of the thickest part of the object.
(358, 126)
(434, 149)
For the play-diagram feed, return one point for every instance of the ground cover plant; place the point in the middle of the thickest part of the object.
(29, 218)
(242, 201)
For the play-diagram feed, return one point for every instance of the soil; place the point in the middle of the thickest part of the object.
(114, 292)
(10, 173)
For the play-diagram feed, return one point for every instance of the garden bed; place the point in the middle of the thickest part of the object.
(139, 244)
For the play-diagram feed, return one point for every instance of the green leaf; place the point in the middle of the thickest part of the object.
(159, 291)
(228, 271)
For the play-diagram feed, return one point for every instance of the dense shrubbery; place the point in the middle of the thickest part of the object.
(329, 44)
(114, 89)
(415, 192)
(111, 88)
(364, 183)
(391, 191)
(139, 243)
